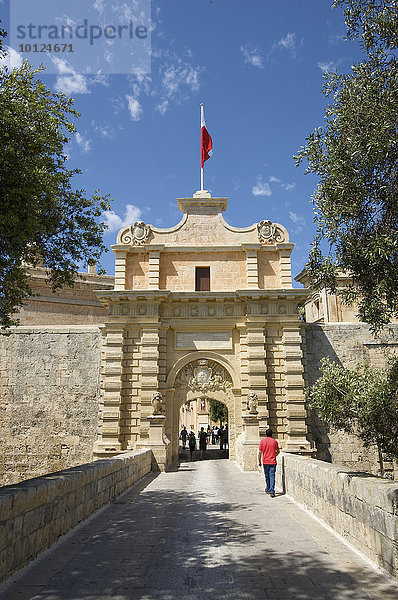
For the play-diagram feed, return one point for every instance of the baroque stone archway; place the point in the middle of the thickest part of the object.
(159, 326)
(202, 377)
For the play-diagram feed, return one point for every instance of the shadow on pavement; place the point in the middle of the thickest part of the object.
(155, 544)
(211, 453)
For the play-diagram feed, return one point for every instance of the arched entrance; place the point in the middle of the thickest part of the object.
(207, 413)
(202, 375)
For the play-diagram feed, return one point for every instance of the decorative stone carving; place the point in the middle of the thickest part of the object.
(142, 309)
(194, 311)
(124, 309)
(135, 234)
(203, 376)
(268, 232)
(176, 311)
(252, 403)
(157, 403)
(264, 308)
(229, 310)
(211, 311)
(282, 309)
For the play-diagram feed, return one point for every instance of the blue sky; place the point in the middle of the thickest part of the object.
(257, 66)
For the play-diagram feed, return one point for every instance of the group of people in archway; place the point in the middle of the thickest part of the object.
(213, 435)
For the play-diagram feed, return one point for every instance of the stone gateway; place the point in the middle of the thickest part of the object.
(201, 310)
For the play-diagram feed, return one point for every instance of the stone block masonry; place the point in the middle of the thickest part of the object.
(49, 398)
(348, 344)
(362, 509)
(36, 512)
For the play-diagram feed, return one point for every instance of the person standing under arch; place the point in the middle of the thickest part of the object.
(202, 442)
(221, 437)
(192, 444)
(183, 436)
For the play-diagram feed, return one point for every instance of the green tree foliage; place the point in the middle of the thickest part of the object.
(218, 411)
(355, 156)
(363, 401)
(43, 220)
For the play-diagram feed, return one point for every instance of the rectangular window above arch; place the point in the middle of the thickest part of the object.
(202, 279)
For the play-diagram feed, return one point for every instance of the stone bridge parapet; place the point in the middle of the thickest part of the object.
(36, 512)
(361, 508)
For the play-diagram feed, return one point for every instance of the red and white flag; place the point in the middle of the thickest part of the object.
(206, 141)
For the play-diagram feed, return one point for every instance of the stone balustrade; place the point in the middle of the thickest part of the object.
(362, 509)
(36, 512)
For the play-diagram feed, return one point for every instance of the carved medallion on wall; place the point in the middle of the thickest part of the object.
(268, 232)
(142, 309)
(124, 309)
(203, 376)
(136, 234)
(264, 308)
(282, 309)
(229, 310)
(211, 311)
(194, 311)
(176, 311)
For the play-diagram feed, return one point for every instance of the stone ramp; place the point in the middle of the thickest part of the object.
(206, 531)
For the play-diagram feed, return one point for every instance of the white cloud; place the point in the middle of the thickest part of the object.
(114, 222)
(273, 179)
(176, 76)
(178, 82)
(288, 187)
(261, 188)
(252, 56)
(295, 217)
(83, 142)
(174, 81)
(68, 81)
(12, 60)
(288, 42)
(163, 106)
(336, 38)
(105, 131)
(297, 220)
(327, 66)
(134, 108)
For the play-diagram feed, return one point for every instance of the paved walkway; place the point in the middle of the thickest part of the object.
(204, 532)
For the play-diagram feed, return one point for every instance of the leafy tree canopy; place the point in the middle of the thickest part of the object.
(43, 220)
(362, 401)
(218, 411)
(355, 156)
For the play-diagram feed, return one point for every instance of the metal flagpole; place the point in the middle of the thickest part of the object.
(201, 168)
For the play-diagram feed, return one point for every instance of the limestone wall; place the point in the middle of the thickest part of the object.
(68, 306)
(364, 510)
(35, 513)
(348, 343)
(49, 398)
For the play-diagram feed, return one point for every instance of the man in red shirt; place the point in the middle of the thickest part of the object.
(267, 453)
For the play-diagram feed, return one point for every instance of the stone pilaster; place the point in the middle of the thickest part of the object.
(112, 372)
(285, 269)
(130, 414)
(149, 372)
(296, 413)
(252, 269)
(257, 368)
(153, 267)
(244, 374)
(120, 269)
